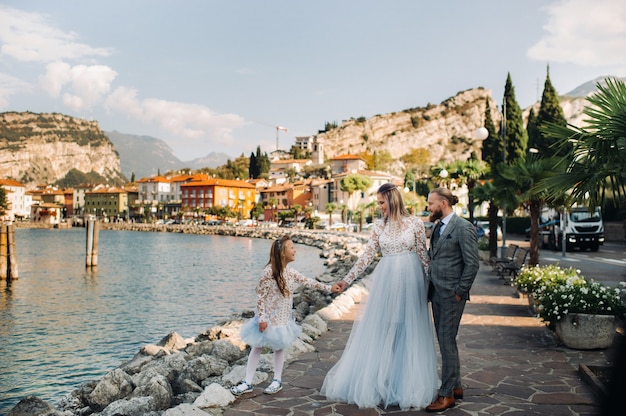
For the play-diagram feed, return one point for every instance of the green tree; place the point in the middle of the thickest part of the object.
(330, 208)
(253, 171)
(550, 111)
(468, 172)
(355, 182)
(596, 162)
(492, 145)
(515, 133)
(532, 129)
(381, 160)
(524, 175)
(4, 202)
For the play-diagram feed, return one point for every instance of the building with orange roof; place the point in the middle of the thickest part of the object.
(346, 164)
(204, 193)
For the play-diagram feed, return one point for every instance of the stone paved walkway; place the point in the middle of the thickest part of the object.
(511, 365)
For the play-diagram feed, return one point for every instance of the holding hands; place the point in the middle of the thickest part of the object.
(339, 287)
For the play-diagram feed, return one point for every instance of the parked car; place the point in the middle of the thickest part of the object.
(321, 225)
(339, 226)
(482, 229)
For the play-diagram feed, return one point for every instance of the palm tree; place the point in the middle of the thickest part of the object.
(468, 172)
(525, 175)
(597, 161)
(330, 207)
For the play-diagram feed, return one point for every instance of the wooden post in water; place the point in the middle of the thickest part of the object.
(4, 252)
(8, 256)
(13, 274)
(92, 243)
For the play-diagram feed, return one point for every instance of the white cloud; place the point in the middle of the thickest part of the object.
(9, 86)
(86, 85)
(190, 121)
(29, 37)
(584, 32)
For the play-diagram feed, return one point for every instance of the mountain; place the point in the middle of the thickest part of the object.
(589, 87)
(145, 156)
(44, 148)
(445, 131)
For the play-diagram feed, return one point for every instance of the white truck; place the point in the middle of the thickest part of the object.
(581, 227)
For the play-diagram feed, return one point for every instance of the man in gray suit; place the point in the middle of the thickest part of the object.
(453, 267)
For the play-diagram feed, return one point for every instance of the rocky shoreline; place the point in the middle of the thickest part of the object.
(177, 376)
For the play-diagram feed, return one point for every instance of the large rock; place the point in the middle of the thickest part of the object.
(172, 342)
(214, 396)
(31, 406)
(136, 406)
(159, 389)
(226, 350)
(114, 385)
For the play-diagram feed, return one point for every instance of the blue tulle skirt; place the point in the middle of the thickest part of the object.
(274, 337)
(390, 358)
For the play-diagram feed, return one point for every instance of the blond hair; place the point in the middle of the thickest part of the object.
(393, 197)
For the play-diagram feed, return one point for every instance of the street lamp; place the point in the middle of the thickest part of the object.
(443, 174)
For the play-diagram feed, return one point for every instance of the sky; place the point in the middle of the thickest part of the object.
(222, 76)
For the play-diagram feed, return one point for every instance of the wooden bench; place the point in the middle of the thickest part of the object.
(509, 256)
(512, 268)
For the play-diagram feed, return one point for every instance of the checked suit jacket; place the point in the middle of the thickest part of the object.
(454, 259)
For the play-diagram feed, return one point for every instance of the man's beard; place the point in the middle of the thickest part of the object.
(435, 215)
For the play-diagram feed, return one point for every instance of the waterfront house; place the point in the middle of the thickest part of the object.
(203, 193)
(17, 200)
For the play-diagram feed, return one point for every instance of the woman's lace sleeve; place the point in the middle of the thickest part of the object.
(371, 250)
(420, 244)
(308, 282)
(266, 293)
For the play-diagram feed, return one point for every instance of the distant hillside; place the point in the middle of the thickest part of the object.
(43, 148)
(145, 156)
(589, 87)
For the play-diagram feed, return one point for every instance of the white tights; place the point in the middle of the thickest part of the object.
(253, 361)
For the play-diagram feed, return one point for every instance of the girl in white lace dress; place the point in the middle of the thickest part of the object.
(390, 358)
(273, 325)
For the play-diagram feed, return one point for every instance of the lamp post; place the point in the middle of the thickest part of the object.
(443, 174)
(503, 130)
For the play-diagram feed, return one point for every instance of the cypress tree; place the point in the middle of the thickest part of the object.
(516, 137)
(550, 112)
(253, 169)
(492, 145)
(533, 130)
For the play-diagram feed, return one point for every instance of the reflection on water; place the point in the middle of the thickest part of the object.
(62, 325)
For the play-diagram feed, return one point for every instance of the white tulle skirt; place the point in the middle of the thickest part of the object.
(390, 358)
(274, 337)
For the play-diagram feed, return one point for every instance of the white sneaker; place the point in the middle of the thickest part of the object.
(241, 388)
(274, 388)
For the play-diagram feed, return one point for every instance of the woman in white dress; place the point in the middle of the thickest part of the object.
(390, 358)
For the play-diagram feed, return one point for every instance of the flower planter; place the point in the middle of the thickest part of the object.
(533, 305)
(586, 331)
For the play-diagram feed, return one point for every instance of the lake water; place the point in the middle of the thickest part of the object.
(62, 325)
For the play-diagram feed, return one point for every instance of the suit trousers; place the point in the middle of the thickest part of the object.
(447, 314)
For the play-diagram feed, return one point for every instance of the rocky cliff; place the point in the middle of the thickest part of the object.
(445, 130)
(42, 148)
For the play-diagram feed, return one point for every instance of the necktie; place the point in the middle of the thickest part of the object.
(435, 235)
